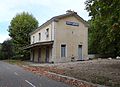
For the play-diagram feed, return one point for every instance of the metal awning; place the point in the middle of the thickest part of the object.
(38, 44)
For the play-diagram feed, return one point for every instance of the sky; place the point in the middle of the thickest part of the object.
(42, 10)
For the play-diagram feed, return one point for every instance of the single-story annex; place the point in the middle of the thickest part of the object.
(63, 38)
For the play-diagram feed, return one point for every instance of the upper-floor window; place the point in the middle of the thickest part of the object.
(33, 39)
(47, 32)
(39, 36)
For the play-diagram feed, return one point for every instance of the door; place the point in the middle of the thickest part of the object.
(80, 52)
(33, 54)
(47, 54)
(39, 55)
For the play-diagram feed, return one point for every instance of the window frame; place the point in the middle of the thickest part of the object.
(39, 36)
(47, 33)
(33, 39)
(63, 55)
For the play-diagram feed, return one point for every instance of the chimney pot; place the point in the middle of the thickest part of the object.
(70, 11)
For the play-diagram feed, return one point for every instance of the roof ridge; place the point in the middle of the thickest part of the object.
(56, 18)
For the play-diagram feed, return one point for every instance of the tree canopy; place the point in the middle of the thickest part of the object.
(20, 27)
(104, 32)
(6, 49)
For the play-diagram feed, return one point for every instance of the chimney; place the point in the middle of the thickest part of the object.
(70, 11)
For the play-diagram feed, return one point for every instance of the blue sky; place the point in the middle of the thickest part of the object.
(42, 10)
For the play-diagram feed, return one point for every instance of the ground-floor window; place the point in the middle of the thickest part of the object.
(63, 50)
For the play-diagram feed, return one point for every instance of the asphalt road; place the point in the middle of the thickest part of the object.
(15, 76)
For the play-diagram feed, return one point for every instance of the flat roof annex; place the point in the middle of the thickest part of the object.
(38, 44)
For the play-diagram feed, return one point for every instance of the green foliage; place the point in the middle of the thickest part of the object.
(6, 50)
(104, 32)
(20, 27)
(1, 53)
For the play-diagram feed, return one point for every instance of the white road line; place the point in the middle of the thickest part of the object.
(30, 83)
(16, 73)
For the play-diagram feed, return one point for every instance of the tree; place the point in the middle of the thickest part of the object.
(104, 26)
(6, 50)
(20, 27)
(1, 54)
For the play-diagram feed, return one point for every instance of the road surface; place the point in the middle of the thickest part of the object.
(15, 76)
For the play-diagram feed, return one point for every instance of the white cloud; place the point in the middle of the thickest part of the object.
(3, 38)
(40, 2)
(9, 8)
(41, 9)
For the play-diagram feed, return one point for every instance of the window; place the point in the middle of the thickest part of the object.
(39, 36)
(47, 32)
(63, 50)
(33, 39)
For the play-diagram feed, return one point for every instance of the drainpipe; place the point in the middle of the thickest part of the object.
(51, 31)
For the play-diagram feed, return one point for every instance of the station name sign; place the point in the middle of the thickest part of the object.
(72, 23)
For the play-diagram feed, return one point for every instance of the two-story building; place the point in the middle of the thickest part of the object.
(63, 38)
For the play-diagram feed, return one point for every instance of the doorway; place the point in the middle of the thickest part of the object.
(39, 55)
(80, 52)
(47, 54)
(33, 54)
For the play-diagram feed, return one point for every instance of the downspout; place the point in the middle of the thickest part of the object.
(51, 31)
(51, 40)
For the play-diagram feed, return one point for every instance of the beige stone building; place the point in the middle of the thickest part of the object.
(63, 38)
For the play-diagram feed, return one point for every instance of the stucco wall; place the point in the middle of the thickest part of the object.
(72, 36)
(43, 34)
(61, 33)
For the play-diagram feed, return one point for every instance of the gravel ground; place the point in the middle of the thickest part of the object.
(101, 71)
